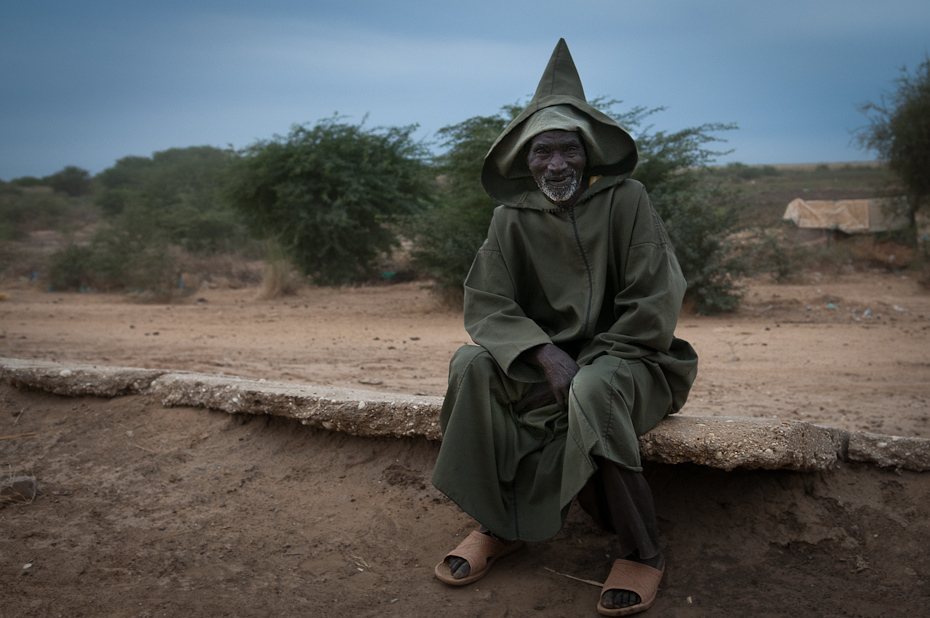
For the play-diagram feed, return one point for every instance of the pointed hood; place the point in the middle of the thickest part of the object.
(559, 103)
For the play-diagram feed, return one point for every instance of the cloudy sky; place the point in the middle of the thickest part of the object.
(86, 83)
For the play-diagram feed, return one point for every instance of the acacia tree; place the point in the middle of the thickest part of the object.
(447, 236)
(326, 194)
(899, 131)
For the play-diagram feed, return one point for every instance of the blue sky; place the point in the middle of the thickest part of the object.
(86, 83)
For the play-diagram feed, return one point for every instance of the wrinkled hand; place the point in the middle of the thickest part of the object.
(559, 369)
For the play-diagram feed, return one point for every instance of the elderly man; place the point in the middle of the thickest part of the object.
(572, 300)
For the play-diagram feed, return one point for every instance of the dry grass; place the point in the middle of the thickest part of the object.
(281, 279)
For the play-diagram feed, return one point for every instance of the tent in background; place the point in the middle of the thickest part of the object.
(885, 214)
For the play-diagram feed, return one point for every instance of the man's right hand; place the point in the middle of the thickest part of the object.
(559, 369)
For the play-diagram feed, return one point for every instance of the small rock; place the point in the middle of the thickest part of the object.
(18, 489)
(65, 373)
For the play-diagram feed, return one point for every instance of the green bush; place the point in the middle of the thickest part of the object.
(156, 210)
(325, 194)
(899, 131)
(772, 255)
(748, 172)
(72, 268)
(28, 181)
(446, 237)
(179, 191)
(698, 208)
(71, 180)
(22, 212)
(130, 254)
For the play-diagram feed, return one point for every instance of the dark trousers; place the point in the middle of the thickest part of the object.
(620, 501)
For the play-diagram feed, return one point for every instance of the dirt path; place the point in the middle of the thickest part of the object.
(149, 511)
(864, 364)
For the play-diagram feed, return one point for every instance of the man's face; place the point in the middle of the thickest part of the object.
(556, 160)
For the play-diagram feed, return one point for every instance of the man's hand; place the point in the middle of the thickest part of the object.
(559, 369)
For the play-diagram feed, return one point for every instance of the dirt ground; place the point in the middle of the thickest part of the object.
(148, 511)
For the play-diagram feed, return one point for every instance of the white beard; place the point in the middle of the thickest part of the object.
(559, 194)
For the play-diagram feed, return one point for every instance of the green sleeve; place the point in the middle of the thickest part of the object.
(492, 316)
(649, 301)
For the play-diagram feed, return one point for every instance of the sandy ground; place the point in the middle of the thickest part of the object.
(147, 511)
(849, 351)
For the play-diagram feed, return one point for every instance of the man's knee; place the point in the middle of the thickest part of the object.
(468, 357)
(595, 379)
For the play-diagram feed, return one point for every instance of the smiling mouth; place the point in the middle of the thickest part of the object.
(559, 187)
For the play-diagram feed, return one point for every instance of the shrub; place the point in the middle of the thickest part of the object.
(178, 190)
(447, 236)
(899, 131)
(22, 212)
(72, 268)
(748, 172)
(131, 253)
(325, 194)
(71, 180)
(28, 181)
(280, 279)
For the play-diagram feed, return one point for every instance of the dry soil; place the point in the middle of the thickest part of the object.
(147, 511)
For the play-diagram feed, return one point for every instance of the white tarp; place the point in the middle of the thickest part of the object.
(850, 216)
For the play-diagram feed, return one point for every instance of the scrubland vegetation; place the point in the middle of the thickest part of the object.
(341, 203)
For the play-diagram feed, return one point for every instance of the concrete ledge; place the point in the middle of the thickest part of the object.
(357, 412)
(77, 380)
(896, 451)
(719, 442)
(730, 442)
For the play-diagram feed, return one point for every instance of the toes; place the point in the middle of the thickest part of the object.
(615, 599)
(459, 567)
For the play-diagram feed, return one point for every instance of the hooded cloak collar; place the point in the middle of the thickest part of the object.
(559, 103)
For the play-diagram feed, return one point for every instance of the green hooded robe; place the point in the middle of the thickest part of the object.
(601, 281)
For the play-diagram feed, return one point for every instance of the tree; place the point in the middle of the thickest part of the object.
(899, 131)
(71, 180)
(697, 208)
(154, 207)
(178, 192)
(327, 193)
(447, 236)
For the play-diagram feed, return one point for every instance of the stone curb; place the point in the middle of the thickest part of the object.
(77, 380)
(356, 412)
(730, 442)
(719, 442)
